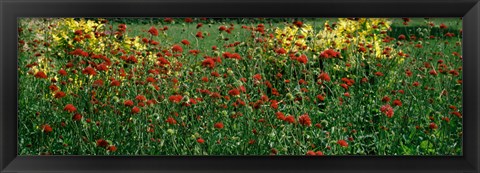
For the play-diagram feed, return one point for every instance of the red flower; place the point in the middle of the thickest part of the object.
(290, 119)
(378, 73)
(324, 76)
(208, 62)
(281, 51)
(443, 26)
(89, 71)
(397, 102)
(128, 103)
(433, 72)
(433, 125)
(342, 143)
(41, 74)
(77, 117)
(218, 125)
(153, 31)
(62, 72)
(59, 94)
(298, 23)
(305, 120)
(171, 120)
(185, 42)
(102, 143)
(177, 48)
(47, 128)
(199, 34)
(329, 53)
(320, 97)
(141, 98)
(163, 61)
(319, 153)
(387, 110)
(401, 37)
(280, 116)
(188, 20)
(200, 140)
(112, 148)
(257, 77)
(70, 108)
(175, 98)
(222, 28)
(274, 104)
(234, 92)
(385, 99)
(458, 114)
(135, 110)
(302, 59)
(310, 153)
(115, 83)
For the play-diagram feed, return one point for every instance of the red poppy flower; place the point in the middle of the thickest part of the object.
(280, 116)
(329, 53)
(70, 108)
(324, 76)
(218, 125)
(77, 117)
(433, 72)
(458, 114)
(177, 48)
(222, 28)
(257, 77)
(397, 102)
(188, 20)
(378, 73)
(102, 143)
(281, 51)
(387, 110)
(40, 74)
(199, 34)
(234, 92)
(310, 153)
(89, 71)
(62, 72)
(305, 120)
(175, 98)
(200, 140)
(47, 128)
(385, 99)
(342, 143)
(185, 42)
(135, 110)
(433, 125)
(290, 119)
(141, 98)
(112, 148)
(128, 103)
(443, 26)
(274, 104)
(153, 31)
(171, 120)
(59, 94)
(208, 62)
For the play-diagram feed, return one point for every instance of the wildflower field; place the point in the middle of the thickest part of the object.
(240, 86)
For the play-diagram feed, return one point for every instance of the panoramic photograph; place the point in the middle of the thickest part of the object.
(240, 86)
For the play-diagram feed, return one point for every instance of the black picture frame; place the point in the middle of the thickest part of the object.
(10, 10)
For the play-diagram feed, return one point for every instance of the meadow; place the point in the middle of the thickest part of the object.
(240, 86)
